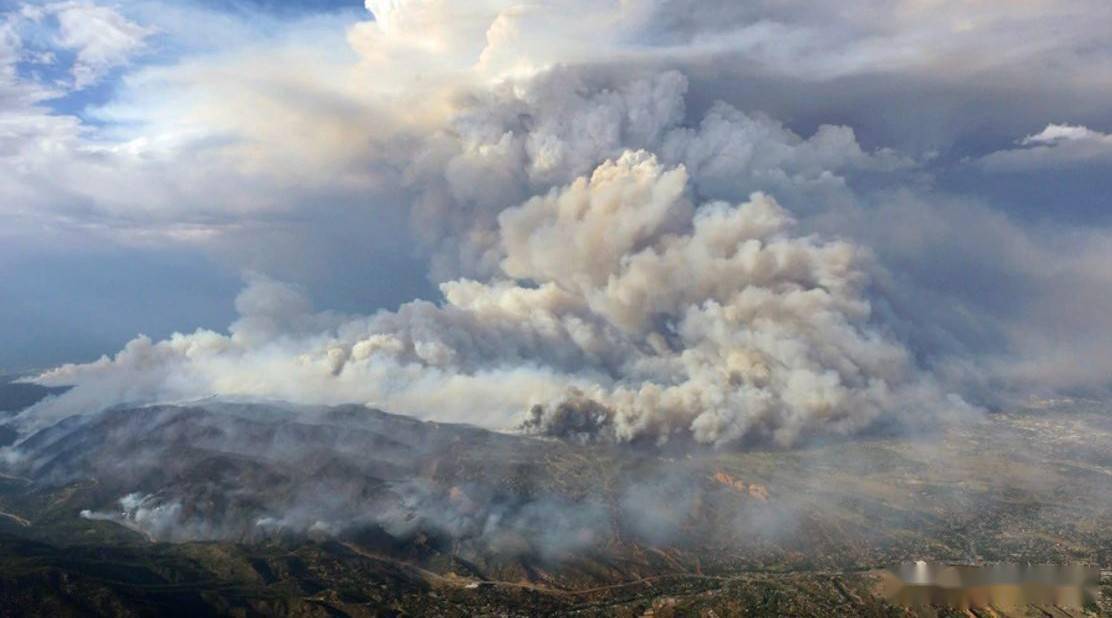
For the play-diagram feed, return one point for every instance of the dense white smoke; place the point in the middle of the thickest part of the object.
(524, 137)
(620, 310)
(611, 266)
(148, 516)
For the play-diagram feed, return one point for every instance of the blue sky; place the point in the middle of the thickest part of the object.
(78, 297)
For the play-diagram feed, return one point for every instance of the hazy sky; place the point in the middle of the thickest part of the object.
(78, 281)
(155, 157)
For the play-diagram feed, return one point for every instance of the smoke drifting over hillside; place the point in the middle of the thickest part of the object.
(642, 271)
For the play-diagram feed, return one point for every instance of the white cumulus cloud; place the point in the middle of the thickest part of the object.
(1056, 146)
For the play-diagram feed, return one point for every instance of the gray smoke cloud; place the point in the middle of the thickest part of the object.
(674, 225)
(616, 297)
(621, 255)
(248, 472)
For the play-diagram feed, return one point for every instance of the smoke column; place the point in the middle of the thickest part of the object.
(611, 266)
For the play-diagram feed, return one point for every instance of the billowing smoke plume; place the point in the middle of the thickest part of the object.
(620, 310)
(630, 247)
(611, 266)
